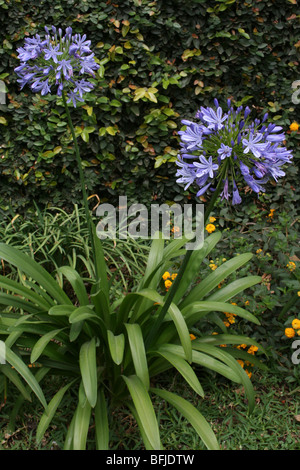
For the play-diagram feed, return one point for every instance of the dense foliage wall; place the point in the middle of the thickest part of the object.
(160, 61)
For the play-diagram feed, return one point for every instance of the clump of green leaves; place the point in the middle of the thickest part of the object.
(99, 345)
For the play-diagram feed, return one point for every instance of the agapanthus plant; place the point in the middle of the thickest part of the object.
(105, 347)
(59, 61)
(231, 147)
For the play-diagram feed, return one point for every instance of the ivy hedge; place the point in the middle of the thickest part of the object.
(159, 62)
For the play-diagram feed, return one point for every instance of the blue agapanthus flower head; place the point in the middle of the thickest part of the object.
(228, 145)
(58, 60)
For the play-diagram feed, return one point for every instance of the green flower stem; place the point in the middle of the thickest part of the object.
(82, 179)
(173, 289)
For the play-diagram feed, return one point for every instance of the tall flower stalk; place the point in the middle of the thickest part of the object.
(60, 61)
(82, 178)
(218, 154)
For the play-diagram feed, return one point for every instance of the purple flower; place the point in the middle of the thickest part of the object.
(252, 144)
(60, 60)
(52, 53)
(214, 118)
(73, 97)
(66, 68)
(192, 136)
(83, 86)
(206, 166)
(236, 198)
(225, 194)
(88, 65)
(230, 147)
(225, 151)
(81, 43)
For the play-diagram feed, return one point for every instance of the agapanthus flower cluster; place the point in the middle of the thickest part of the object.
(228, 145)
(59, 60)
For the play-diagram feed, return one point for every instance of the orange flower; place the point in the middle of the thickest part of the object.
(296, 324)
(289, 332)
(210, 228)
(294, 126)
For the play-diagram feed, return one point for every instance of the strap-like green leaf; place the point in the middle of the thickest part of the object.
(61, 310)
(230, 339)
(100, 265)
(34, 270)
(204, 360)
(194, 265)
(23, 370)
(81, 426)
(101, 423)
(13, 377)
(15, 287)
(214, 278)
(76, 282)
(116, 346)
(194, 416)
(234, 288)
(144, 409)
(81, 314)
(14, 301)
(48, 416)
(88, 369)
(138, 353)
(195, 311)
(174, 313)
(231, 362)
(183, 368)
(42, 343)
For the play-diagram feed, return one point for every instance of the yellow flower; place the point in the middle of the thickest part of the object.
(291, 266)
(192, 337)
(298, 293)
(247, 302)
(248, 373)
(241, 363)
(271, 213)
(168, 284)
(289, 332)
(252, 349)
(213, 266)
(296, 324)
(212, 220)
(294, 126)
(210, 228)
(174, 276)
(166, 275)
(242, 346)
(259, 251)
